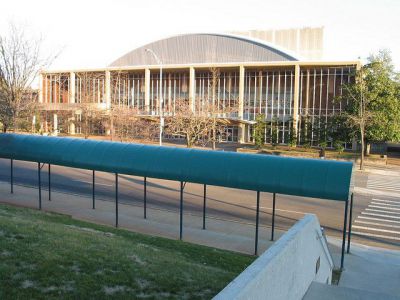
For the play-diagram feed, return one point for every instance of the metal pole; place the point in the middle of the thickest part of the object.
(350, 221)
(93, 190)
(116, 199)
(49, 184)
(12, 176)
(344, 235)
(145, 198)
(161, 106)
(204, 206)
(257, 221)
(181, 213)
(40, 187)
(273, 217)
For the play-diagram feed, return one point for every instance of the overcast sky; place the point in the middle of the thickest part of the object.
(94, 33)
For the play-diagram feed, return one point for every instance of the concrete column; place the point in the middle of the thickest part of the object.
(192, 89)
(242, 133)
(147, 91)
(34, 123)
(241, 93)
(241, 127)
(108, 89)
(41, 91)
(55, 124)
(71, 87)
(71, 128)
(296, 97)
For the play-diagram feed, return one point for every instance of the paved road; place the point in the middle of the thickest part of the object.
(223, 203)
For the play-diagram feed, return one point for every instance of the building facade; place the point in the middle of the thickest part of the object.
(240, 76)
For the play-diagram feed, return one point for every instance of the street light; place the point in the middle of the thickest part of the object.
(161, 97)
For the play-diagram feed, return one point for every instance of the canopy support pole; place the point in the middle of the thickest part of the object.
(116, 199)
(344, 235)
(204, 206)
(145, 198)
(93, 189)
(257, 223)
(39, 187)
(49, 183)
(12, 176)
(181, 213)
(273, 217)
(350, 221)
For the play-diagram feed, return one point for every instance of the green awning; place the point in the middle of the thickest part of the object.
(326, 179)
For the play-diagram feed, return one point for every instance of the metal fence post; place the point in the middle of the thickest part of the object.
(145, 198)
(39, 187)
(204, 205)
(116, 199)
(257, 221)
(93, 190)
(181, 213)
(344, 235)
(12, 176)
(49, 183)
(273, 217)
(350, 223)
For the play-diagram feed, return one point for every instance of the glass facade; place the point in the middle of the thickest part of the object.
(55, 88)
(318, 99)
(268, 90)
(219, 90)
(175, 88)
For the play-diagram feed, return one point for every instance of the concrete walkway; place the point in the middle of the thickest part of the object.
(223, 234)
(370, 273)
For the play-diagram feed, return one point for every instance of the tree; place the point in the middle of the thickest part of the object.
(259, 131)
(373, 109)
(198, 126)
(89, 110)
(20, 63)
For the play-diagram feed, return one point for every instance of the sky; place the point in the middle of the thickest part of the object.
(91, 34)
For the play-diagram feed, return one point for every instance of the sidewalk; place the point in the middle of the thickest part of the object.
(223, 234)
(370, 273)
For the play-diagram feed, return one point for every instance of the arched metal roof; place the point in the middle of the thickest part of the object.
(283, 175)
(204, 48)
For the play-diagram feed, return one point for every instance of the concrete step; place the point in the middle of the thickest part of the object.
(318, 291)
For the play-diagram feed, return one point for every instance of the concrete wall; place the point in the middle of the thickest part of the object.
(286, 270)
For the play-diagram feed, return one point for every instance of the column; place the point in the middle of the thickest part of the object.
(55, 124)
(192, 89)
(147, 91)
(241, 127)
(108, 90)
(41, 90)
(296, 98)
(71, 87)
(72, 128)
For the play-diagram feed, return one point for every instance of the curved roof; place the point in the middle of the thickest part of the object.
(204, 48)
(293, 176)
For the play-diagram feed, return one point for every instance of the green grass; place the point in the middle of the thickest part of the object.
(47, 255)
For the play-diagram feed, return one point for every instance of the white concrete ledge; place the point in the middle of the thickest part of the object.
(285, 270)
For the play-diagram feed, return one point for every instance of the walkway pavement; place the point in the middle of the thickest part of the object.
(223, 234)
(370, 273)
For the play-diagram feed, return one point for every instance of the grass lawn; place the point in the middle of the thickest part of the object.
(46, 255)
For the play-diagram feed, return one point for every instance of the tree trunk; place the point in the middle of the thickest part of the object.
(213, 139)
(367, 149)
(112, 126)
(362, 148)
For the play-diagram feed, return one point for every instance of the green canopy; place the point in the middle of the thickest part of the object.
(317, 178)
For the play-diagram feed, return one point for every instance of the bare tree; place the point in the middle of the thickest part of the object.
(199, 126)
(88, 101)
(20, 63)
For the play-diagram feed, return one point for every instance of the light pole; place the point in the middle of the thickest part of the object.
(161, 95)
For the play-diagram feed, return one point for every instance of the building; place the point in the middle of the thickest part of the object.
(307, 42)
(254, 77)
